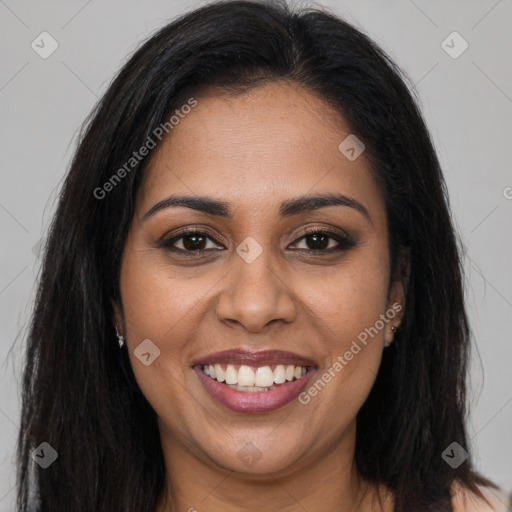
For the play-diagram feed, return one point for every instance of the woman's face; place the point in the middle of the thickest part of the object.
(251, 281)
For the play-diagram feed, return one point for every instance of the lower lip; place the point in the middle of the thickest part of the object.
(257, 401)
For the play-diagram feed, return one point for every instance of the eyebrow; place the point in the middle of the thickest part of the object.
(288, 208)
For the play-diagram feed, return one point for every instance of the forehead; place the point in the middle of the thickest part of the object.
(258, 148)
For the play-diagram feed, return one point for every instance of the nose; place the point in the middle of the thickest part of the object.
(254, 295)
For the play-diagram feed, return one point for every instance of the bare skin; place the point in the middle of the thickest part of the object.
(255, 151)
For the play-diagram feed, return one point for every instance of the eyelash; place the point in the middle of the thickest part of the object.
(344, 242)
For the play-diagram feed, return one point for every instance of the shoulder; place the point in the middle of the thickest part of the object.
(465, 501)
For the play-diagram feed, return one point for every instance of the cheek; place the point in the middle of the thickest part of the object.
(350, 299)
(346, 310)
(158, 302)
(161, 307)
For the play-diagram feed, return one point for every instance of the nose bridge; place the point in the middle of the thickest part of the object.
(254, 294)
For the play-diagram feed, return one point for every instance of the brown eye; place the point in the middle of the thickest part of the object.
(190, 241)
(326, 241)
(317, 241)
(194, 242)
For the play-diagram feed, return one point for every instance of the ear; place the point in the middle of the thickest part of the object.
(118, 315)
(397, 292)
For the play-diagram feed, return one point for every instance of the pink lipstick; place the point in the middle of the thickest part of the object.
(254, 382)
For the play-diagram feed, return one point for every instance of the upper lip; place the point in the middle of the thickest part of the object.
(251, 358)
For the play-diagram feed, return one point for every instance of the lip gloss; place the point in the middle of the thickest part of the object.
(253, 402)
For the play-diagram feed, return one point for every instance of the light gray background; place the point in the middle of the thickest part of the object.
(467, 103)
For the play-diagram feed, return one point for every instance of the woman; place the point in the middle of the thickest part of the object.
(256, 213)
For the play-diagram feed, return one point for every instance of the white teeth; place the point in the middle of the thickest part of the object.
(231, 375)
(264, 377)
(249, 389)
(246, 376)
(280, 374)
(254, 379)
(220, 373)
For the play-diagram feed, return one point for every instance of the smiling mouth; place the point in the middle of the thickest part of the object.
(241, 377)
(236, 378)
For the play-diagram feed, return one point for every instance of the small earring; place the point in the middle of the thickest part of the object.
(120, 339)
(393, 330)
